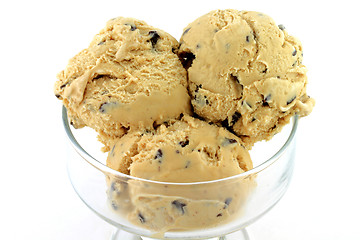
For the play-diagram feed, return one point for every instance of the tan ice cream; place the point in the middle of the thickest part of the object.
(184, 151)
(128, 78)
(246, 80)
(245, 73)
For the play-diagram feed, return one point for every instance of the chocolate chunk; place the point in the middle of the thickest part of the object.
(141, 218)
(198, 87)
(102, 107)
(247, 103)
(291, 100)
(154, 38)
(230, 140)
(234, 78)
(186, 31)
(184, 143)
(282, 27)
(158, 154)
(114, 205)
(113, 187)
(227, 202)
(235, 117)
(132, 26)
(186, 59)
(112, 153)
(294, 52)
(266, 100)
(179, 205)
(64, 85)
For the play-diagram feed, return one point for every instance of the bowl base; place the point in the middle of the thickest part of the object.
(123, 235)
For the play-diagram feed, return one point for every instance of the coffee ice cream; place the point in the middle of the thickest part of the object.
(245, 73)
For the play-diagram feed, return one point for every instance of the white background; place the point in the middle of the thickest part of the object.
(37, 39)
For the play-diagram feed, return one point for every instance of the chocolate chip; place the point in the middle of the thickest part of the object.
(154, 38)
(247, 38)
(132, 26)
(64, 85)
(265, 71)
(184, 143)
(105, 105)
(102, 107)
(266, 100)
(179, 205)
(58, 96)
(294, 52)
(114, 205)
(187, 164)
(141, 218)
(248, 104)
(227, 202)
(186, 59)
(253, 119)
(228, 141)
(198, 87)
(112, 187)
(291, 100)
(234, 78)
(186, 31)
(219, 215)
(282, 27)
(235, 117)
(158, 154)
(198, 46)
(101, 43)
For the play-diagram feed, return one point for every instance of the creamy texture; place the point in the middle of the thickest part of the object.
(184, 151)
(245, 73)
(128, 78)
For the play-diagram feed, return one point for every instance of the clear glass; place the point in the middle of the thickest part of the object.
(144, 209)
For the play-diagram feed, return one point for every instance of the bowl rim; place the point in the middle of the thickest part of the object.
(109, 171)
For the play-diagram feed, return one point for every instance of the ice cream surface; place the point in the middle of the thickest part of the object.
(189, 150)
(245, 72)
(183, 151)
(128, 78)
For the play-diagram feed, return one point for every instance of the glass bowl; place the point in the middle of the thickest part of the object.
(145, 209)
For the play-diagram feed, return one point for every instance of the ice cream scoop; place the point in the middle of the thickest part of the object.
(245, 72)
(128, 78)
